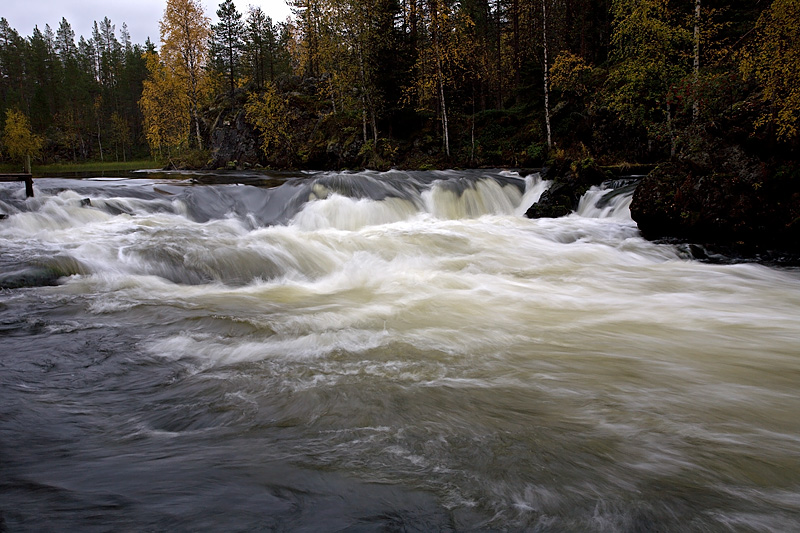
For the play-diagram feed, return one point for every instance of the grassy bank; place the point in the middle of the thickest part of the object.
(89, 166)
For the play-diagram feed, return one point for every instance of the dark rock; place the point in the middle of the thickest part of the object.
(722, 199)
(571, 180)
(233, 140)
(29, 277)
(559, 200)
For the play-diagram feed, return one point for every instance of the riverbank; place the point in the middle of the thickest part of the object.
(84, 167)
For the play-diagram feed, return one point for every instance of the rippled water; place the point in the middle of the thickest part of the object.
(372, 352)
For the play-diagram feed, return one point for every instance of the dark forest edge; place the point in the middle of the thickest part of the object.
(705, 90)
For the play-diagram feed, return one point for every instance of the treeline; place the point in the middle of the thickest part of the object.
(419, 82)
(81, 98)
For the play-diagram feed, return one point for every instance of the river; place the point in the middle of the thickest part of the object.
(383, 352)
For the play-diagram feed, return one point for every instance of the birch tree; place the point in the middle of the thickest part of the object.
(546, 73)
(185, 31)
(165, 107)
(649, 56)
(448, 47)
(19, 141)
(773, 62)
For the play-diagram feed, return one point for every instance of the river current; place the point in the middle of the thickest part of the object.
(383, 352)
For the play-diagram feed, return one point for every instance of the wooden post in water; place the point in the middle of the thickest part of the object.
(26, 177)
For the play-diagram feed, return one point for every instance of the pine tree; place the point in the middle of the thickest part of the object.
(12, 67)
(228, 39)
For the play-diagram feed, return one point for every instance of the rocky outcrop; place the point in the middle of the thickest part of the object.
(571, 180)
(234, 143)
(724, 198)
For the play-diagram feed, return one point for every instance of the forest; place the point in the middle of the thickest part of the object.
(410, 83)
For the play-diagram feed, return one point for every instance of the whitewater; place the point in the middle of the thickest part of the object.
(373, 351)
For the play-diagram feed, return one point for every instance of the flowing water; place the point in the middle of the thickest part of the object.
(383, 352)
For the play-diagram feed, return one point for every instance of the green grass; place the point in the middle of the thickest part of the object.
(89, 166)
(94, 166)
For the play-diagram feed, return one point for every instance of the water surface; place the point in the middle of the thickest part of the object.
(383, 351)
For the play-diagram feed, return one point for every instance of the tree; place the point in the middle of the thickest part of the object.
(546, 72)
(42, 91)
(773, 62)
(20, 143)
(266, 53)
(649, 55)
(165, 107)
(269, 113)
(440, 58)
(12, 67)
(570, 74)
(185, 32)
(227, 36)
(696, 62)
(368, 33)
(308, 14)
(120, 135)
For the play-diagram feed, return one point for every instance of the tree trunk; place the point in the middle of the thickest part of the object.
(440, 75)
(369, 107)
(232, 74)
(445, 126)
(99, 141)
(696, 103)
(197, 129)
(672, 148)
(364, 118)
(546, 77)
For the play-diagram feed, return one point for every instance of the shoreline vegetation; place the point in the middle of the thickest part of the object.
(49, 169)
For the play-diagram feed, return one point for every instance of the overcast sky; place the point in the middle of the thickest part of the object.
(141, 16)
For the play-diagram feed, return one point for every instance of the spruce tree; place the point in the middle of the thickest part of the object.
(228, 41)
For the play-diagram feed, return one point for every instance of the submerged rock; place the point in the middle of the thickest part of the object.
(29, 277)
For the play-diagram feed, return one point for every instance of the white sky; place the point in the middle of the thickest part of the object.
(141, 16)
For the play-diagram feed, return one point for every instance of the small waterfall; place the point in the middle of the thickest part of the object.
(353, 201)
(235, 234)
(612, 199)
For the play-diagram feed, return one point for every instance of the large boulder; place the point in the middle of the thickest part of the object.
(725, 199)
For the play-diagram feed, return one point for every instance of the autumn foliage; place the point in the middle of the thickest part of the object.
(419, 82)
(18, 140)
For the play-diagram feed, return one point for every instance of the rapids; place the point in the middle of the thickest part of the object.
(383, 351)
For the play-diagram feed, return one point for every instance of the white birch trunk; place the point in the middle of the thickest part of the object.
(546, 77)
(444, 113)
(696, 104)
